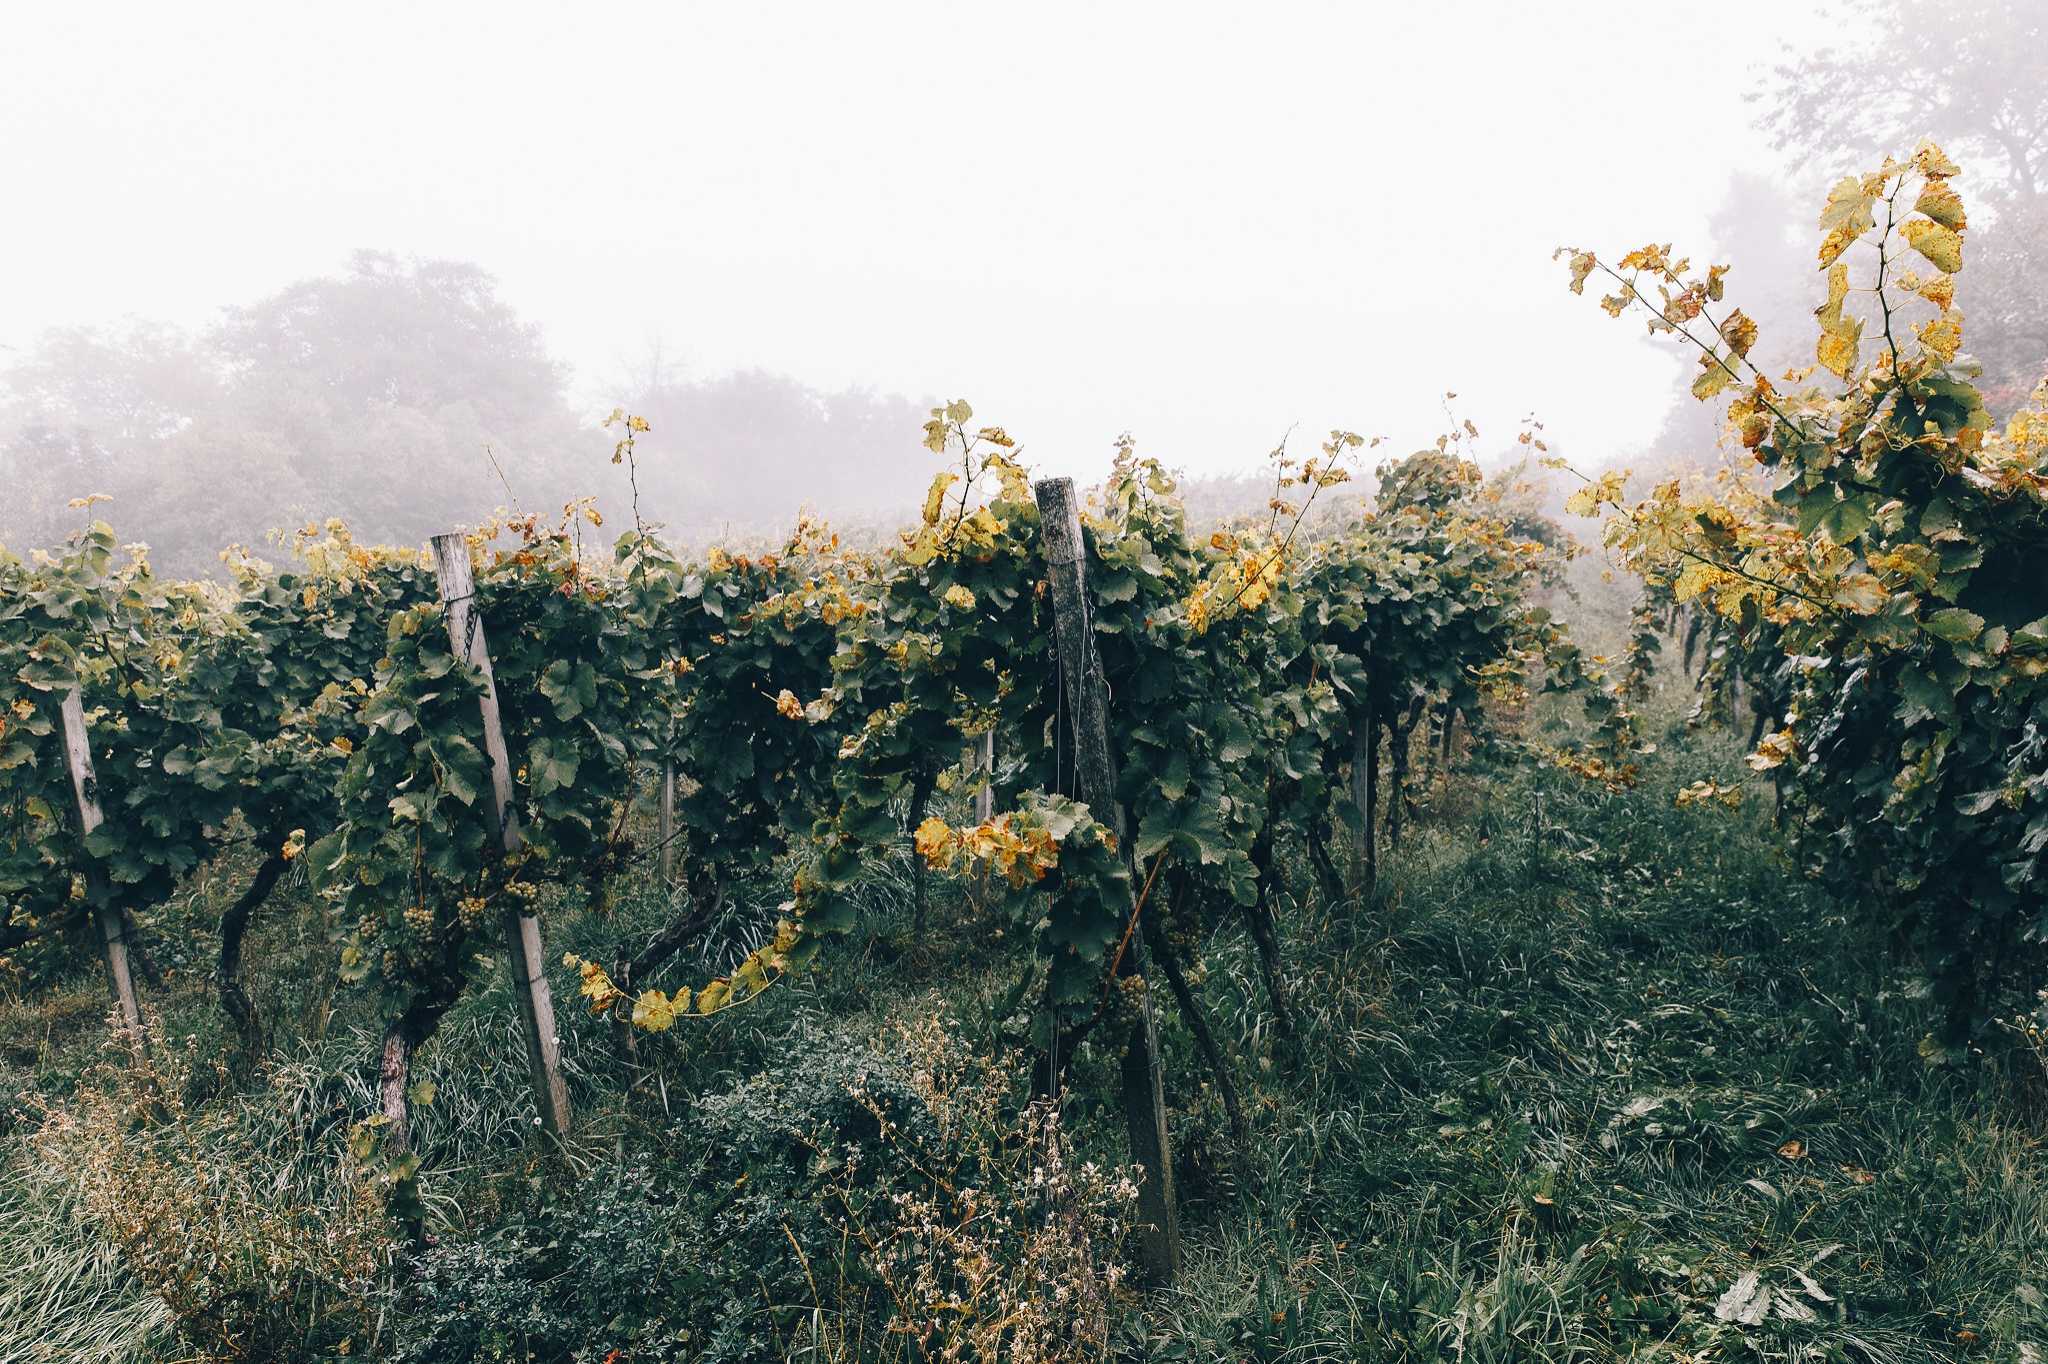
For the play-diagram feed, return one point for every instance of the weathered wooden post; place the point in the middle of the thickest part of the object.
(1365, 762)
(522, 930)
(665, 825)
(1087, 706)
(112, 926)
(985, 798)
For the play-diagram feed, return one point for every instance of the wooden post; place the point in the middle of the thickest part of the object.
(985, 798)
(1398, 734)
(1364, 738)
(1087, 706)
(113, 928)
(522, 930)
(665, 825)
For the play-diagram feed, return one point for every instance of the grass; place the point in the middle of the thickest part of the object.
(1590, 1077)
(64, 1295)
(1596, 1077)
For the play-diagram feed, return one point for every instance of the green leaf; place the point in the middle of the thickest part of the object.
(462, 768)
(1190, 831)
(1844, 521)
(1955, 625)
(571, 686)
(1172, 781)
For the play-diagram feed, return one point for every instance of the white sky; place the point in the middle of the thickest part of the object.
(1202, 223)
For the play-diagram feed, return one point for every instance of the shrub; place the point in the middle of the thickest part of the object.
(607, 1267)
(246, 1219)
(865, 1195)
(910, 1187)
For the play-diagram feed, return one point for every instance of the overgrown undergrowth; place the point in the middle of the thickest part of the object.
(1590, 1077)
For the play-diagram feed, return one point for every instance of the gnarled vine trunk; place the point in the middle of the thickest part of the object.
(227, 968)
(1198, 1024)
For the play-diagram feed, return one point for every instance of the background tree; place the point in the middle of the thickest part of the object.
(96, 411)
(381, 390)
(745, 453)
(372, 395)
(405, 396)
(1972, 75)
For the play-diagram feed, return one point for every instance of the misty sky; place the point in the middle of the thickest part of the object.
(1199, 223)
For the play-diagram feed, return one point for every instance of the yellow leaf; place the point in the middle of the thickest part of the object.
(1846, 218)
(1861, 593)
(1838, 292)
(1936, 242)
(787, 706)
(1942, 204)
(1713, 378)
(1586, 501)
(1701, 792)
(1933, 163)
(935, 499)
(935, 843)
(1693, 579)
(597, 986)
(1772, 752)
(1582, 265)
(750, 978)
(1943, 337)
(959, 597)
(1839, 334)
(1837, 352)
(1940, 291)
(654, 1011)
(1653, 257)
(1739, 331)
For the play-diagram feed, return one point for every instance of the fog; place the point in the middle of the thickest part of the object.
(783, 230)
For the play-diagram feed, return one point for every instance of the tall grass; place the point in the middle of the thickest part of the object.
(64, 1293)
(1594, 1077)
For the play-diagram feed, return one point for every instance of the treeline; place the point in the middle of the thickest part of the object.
(406, 396)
